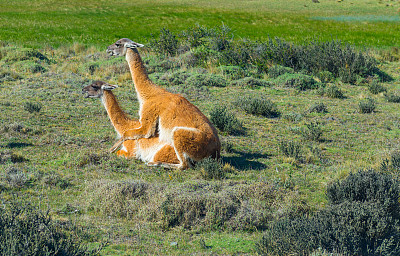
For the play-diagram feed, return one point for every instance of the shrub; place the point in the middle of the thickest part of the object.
(23, 54)
(332, 91)
(233, 72)
(26, 230)
(210, 169)
(8, 76)
(325, 77)
(15, 178)
(313, 131)
(195, 36)
(166, 44)
(117, 199)
(177, 78)
(293, 117)
(257, 106)
(299, 81)
(374, 87)
(250, 82)
(362, 219)
(278, 70)
(366, 106)
(199, 80)
(225, 121)
(392, 97)
(318, 108)
(291, 149)
(367, 186)
(32, 107)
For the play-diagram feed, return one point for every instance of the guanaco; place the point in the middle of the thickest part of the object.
(150, 150)
(177, 122)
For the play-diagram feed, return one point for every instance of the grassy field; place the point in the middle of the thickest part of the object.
(54, 142)
(369, 23)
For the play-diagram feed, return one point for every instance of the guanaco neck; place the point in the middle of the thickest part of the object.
(143, 85)
(117, 116)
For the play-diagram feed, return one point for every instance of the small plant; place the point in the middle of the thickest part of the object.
(250, 82)
(374, 87)
(366, 106)
(291, 149)
(293, 117)
(318, 108)
(325, 77)
(257, 106)
(313, 131)
(210, 169)
(32, 107)
(393, 97)
(225, 121)
(299, 81)
(333, 92)
(233, 72)
(278, 70)
(200, 80)
(166, 44)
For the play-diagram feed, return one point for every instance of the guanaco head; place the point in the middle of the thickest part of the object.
(96, 89)
(119, 48)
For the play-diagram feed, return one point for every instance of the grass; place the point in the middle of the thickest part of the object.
(56, 155)
(99, 23)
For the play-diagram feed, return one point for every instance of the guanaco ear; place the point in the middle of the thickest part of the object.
(133, 45)
(108, 87)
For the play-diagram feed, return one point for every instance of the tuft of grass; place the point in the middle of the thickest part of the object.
(312, 131)
(318, 108)
(32, 107)
(251, 82)
(199, 80)
(393, 97)
(257, 106)
(291, 149)
(210, 169)
(374, 87)
(225, 121)
(299, 81)
(366, 106)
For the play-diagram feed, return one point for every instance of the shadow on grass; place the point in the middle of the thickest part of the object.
(245, 161)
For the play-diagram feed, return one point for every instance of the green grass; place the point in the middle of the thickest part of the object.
(60, 150)
(37, 23)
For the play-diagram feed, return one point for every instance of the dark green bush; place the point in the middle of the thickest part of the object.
(250, 82)
(366, 106)
(293, 117)
(318, 108)
(278, 70)
(226, 121)
(332, 91)
(32, 107)
(392, 97)
(15, 55)
(233, 72)
(26, 230)
(367, 186)
(374, 87)
(199, 80)
(299, 81)
(312, 131)
(325, 76)
(195, 36)
(166, 44)
(257, 106)
(8, 76)
(210, 169)
(362, 219)
(290, 149)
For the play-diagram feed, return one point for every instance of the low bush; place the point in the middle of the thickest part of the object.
(331, 91)
(374, 87)
(325, 77)
(257, 106)
(393, 97)
(166, 44)
(226, 121)
(312, 131)
(299, 81)
(32, 107)
(366, 106)
(361, 219)
(278, 70)
(250, 82)
(233, 72)
(293, 117)
(199, 80)
(26, 230)
(291, 149)
(210, 169)
(318, 108)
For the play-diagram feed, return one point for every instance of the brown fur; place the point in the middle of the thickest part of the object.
(150, 150)
(178, 122)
